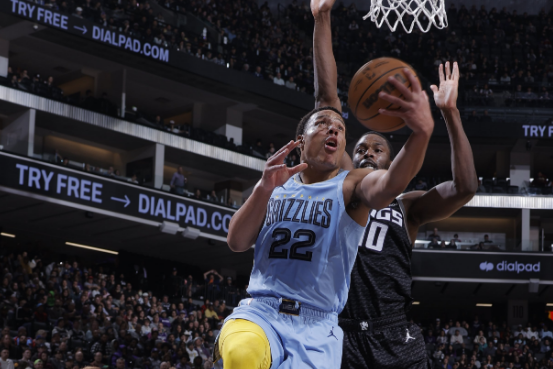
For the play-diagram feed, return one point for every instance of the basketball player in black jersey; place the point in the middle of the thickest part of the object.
(378, 334)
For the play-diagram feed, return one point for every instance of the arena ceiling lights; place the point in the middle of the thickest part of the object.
(484, 305)
(91, 248)
(10, 235)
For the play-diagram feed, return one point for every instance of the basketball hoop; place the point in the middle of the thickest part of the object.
(423, 13)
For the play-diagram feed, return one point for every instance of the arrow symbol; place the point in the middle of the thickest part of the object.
(83, 30)
(125, 200)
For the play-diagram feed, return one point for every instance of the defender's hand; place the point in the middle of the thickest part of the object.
(276, 173)
(320, 6)
(446, 95)
(414, 108)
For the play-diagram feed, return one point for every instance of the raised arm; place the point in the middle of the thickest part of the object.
(248, 220)
(446, 198)
(378, 189)
(326, 74)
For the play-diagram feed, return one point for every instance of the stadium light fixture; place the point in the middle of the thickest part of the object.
(484, 305)
(91, 248)
(191, 233)
(549, 304)
(10, 235)
(416, 303)
(169, 227)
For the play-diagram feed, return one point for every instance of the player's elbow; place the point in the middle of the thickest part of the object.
(237, 244)
(466, 189)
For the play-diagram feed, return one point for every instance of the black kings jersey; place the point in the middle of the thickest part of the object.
(381, 276)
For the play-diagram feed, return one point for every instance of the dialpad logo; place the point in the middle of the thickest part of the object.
(517, 267)
(486, 267)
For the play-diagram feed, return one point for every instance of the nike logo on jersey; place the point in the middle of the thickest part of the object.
(408, 336)
(299, 211)
(388, 214)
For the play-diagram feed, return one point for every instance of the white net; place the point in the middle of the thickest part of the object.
(408, 13)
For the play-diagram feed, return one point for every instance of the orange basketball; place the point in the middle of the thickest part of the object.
(365, 86)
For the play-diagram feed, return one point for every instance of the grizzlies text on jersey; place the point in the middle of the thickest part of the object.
(307, 246)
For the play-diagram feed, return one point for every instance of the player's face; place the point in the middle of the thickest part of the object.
(371, 151)
(324, 139)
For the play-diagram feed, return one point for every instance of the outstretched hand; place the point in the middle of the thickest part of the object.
(445, 96)
(320, 6)
(276, 173)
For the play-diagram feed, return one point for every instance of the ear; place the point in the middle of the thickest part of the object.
(302, 143)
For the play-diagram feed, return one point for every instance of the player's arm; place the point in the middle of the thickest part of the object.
(326, 73)
(248, 220)
(377, 189)
(446, 198)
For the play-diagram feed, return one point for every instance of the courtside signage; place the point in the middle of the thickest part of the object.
(80, 189)
(482, 265)
(84, 28)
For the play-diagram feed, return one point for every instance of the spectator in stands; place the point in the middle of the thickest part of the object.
(258, 73)
(456, 338)
(434, 235)
(505, 79)
(212, 280)
(5, 361)
(213, 197)
(456, 239)
(198, 195)
(545, 332)
(434, 244)
(78, 12)
(278, 80)
(178, 181)
(291, 84)
(292, 160)
(487, 239)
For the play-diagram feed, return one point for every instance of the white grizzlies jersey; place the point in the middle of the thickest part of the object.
(307, 246)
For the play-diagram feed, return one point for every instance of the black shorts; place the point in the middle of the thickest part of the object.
(399, 345)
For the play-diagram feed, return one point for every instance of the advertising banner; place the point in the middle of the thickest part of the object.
(84, 28)
(482, 265)
(55, 182)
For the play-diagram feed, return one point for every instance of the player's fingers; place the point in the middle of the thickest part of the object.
(283, 152)
(447, 71)
(391, 113)
(415, 84)
(434, 89)
(298, 168)
(441, 73)
(403, 90)
(456, 71)
(275, 168)
(392, 99)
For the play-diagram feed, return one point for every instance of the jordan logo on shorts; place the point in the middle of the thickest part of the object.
(332, 334)
(408, 336)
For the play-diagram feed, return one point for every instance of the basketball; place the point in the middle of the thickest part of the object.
(367, 83)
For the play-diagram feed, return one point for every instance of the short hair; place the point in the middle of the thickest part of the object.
(303, 122)
(388, 143)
